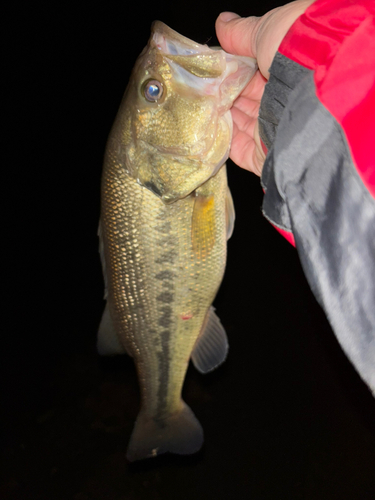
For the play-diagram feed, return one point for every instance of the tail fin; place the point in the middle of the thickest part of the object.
(180, 433)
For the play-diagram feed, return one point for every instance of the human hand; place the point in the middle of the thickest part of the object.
(257, 37)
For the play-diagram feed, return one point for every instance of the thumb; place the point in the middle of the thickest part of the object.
(258, 37)
(236, 34)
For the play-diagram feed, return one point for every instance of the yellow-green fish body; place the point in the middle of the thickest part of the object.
(165, 217)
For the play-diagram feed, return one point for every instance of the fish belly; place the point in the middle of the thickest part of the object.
(164, 264)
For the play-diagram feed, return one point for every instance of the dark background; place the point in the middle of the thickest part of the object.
(286, 417)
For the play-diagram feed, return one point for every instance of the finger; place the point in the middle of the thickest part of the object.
(259, 155)
(246, 150)
(236, 34)
(242, 150)
(246, 154)
(255, 88)
(248, 107)
(273, 27)
(243, 123)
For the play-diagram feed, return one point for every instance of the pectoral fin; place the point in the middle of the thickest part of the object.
(229, 213)
(203, 225)
(211, 348)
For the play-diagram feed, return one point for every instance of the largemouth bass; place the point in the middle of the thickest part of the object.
(166, 214)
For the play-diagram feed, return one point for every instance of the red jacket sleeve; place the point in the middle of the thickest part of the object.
(317, 121)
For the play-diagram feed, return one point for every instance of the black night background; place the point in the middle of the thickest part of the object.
(286, 417)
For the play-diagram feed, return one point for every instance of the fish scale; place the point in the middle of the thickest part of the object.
(145, 227)
(165, 215)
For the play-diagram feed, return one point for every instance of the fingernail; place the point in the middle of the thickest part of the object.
(227, 16)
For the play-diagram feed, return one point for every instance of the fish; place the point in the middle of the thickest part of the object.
(166, 214)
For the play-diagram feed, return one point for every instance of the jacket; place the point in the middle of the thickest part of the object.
(317, 120)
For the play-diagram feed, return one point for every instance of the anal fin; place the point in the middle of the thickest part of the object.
(108, 343)
(102, 259)
(211, 348)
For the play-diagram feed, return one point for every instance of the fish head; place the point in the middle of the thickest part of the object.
(174, 128)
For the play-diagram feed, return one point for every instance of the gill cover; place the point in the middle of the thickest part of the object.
(174, 143)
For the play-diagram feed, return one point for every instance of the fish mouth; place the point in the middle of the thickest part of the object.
(211, 71)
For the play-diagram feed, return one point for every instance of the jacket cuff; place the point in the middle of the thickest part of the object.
(285, 76)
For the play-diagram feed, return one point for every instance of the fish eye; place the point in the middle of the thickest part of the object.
(153, 90)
